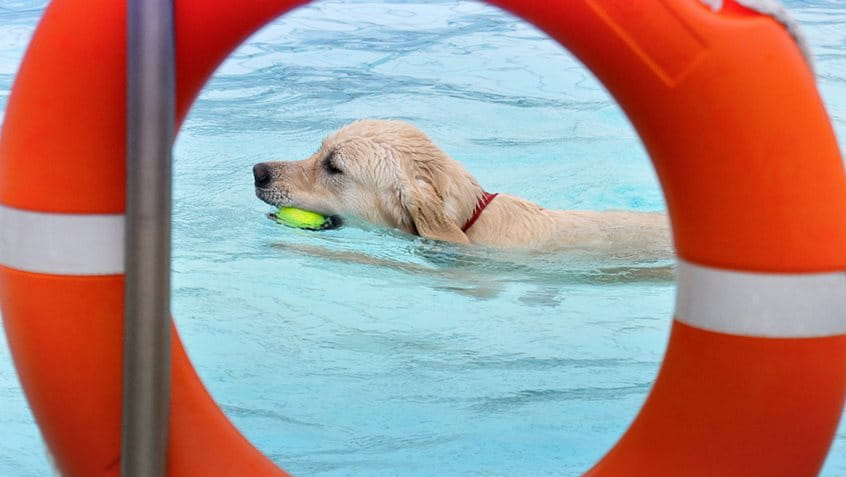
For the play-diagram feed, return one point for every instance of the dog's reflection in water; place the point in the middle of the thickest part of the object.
(481, 275)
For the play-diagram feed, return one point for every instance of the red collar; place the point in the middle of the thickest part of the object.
(483, 202)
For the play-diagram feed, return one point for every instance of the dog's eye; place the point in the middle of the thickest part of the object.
(330, 167)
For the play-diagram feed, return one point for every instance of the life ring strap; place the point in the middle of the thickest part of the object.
(771, 305)
(61, 244)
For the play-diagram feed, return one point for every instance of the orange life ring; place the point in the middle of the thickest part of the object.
(754, 377)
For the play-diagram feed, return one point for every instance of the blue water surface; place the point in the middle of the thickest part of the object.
(364, 351)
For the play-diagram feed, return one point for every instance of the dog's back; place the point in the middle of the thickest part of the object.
(512, 222)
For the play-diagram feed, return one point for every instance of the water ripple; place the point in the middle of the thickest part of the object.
(526, 397)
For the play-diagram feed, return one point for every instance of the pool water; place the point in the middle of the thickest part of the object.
(364, 351)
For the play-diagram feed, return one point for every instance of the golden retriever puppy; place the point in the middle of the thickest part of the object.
(390, 173)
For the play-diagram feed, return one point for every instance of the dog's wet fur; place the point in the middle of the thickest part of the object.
(390, 173)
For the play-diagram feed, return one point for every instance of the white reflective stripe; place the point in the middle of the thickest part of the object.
(61, 244)
(761, 304)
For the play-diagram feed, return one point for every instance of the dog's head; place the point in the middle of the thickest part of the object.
(385, 172)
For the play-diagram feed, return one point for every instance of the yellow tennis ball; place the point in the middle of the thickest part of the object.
(299, 218)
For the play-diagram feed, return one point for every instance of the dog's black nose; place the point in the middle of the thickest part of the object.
(262, 174)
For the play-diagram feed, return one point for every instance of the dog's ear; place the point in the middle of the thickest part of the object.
(422, 199)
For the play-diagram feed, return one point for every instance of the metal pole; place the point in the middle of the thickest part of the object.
(149, 139)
